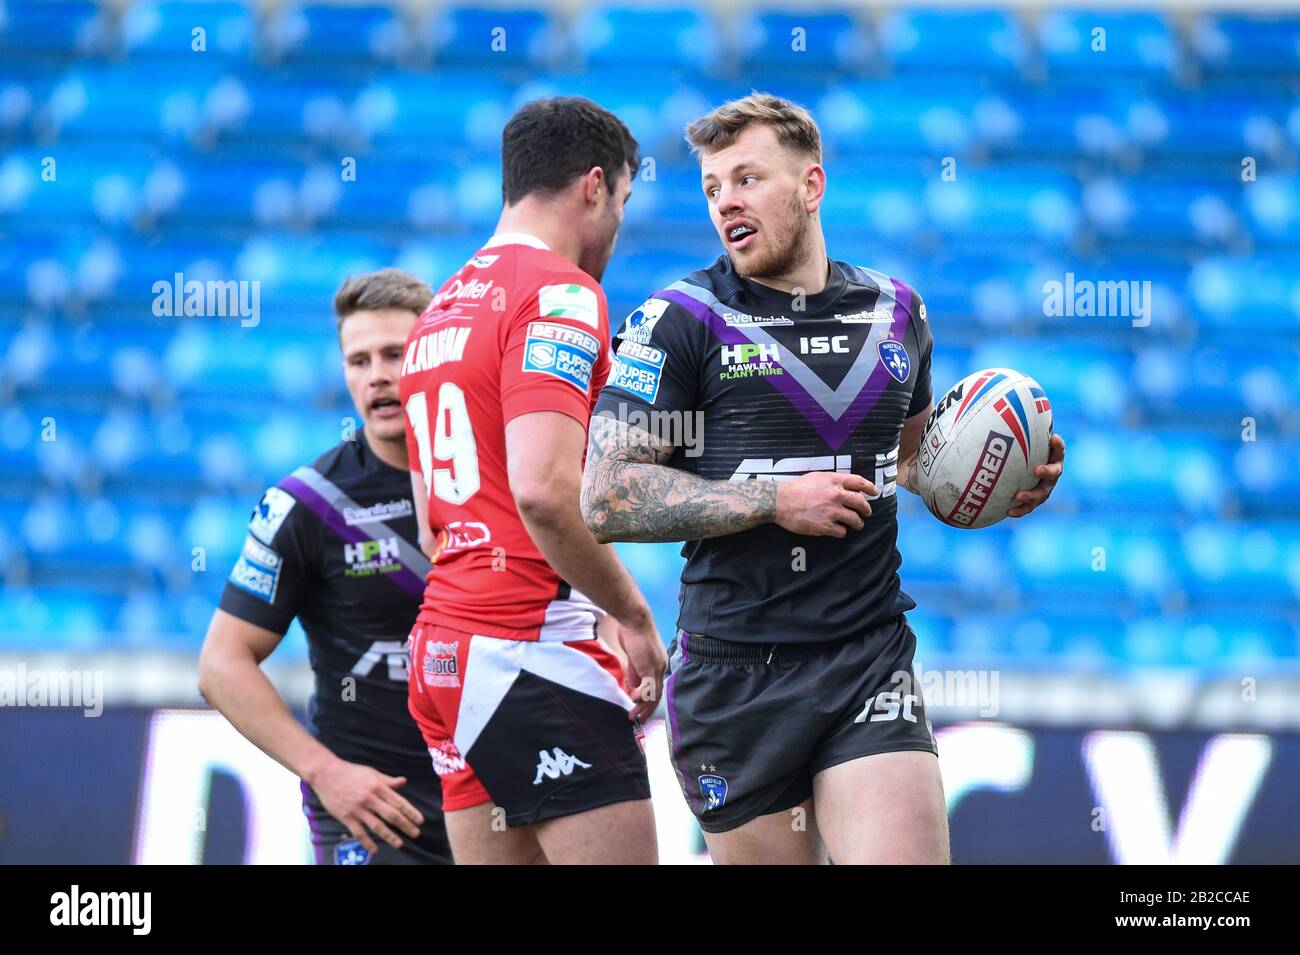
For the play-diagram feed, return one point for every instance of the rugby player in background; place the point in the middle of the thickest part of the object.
(791, 683)
(532, 729)
(335, 545)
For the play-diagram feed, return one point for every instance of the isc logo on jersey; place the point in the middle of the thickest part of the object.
(637, 370)
(561, 351)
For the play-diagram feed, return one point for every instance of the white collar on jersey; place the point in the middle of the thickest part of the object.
(516, 238)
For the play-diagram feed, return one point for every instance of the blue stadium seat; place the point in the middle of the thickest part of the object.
(41, 27)
(169, 28)
(56, 619)
(330, 32)
(872, 119)
(1272, 207)
(810, 40)
(1221, 124)
(1165, 208)
(1257, 292)
(480, 36)
(662, 37)
(1248, 44)
(1005, 203)
(1091, 41)
(943, 41)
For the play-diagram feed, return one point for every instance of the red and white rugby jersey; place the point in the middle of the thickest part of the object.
(518, 329)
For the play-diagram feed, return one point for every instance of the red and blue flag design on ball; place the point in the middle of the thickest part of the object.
(1013, 413)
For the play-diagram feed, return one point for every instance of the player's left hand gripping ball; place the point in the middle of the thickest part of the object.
(1048, 474)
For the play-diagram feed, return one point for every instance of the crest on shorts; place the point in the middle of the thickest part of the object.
(714, 790)
(351, 852)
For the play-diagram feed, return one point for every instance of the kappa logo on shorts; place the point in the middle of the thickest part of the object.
(557, 765)
(714, 790)
(351, 852)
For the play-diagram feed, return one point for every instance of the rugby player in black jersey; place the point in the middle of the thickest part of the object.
(335, 545)
(795, 725)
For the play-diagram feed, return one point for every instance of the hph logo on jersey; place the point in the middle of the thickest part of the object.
(372, 557)
(749, 359)
(555, 764)
(177, 298)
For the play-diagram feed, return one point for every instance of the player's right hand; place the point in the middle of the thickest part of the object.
(823, 503)
(365, 799)
(646, 662)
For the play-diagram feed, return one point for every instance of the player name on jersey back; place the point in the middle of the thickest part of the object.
(517, 330)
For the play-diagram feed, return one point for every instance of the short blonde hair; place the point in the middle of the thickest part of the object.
(794, 126)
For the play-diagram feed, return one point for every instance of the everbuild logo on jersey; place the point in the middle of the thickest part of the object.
(972, 500)
(383, 511)
(372, 557)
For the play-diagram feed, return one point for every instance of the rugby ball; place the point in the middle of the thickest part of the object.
(980, 447)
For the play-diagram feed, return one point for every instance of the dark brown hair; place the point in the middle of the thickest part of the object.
(794, 126)
(549, 143)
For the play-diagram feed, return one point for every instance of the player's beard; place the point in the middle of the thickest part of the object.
(595, 261)
(772, 260)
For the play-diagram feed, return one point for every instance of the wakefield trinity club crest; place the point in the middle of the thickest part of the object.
(894, 357)
(714, 790)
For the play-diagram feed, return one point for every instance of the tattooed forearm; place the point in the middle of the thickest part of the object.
(906, 475)
(629, 494)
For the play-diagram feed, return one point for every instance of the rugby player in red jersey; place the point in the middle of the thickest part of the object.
(529, 720)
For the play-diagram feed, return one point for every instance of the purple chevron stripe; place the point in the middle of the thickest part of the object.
(835, 431)
(404, 578)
